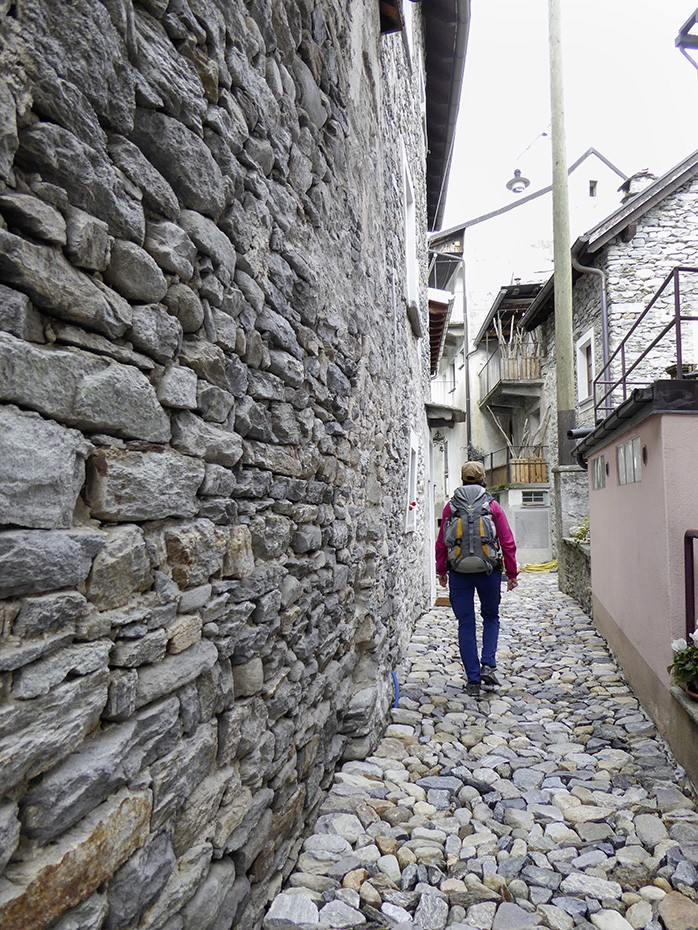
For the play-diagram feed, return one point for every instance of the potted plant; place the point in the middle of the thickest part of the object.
(684, 668)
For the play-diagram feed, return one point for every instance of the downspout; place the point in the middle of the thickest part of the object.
(604, 316)
(468, 429)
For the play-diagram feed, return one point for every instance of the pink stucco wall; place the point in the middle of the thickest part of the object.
(637, 535)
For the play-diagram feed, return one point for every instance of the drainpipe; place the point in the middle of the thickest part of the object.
(604, 317)
(466, 356)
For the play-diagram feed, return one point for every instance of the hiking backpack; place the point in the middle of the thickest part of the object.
(469, 532)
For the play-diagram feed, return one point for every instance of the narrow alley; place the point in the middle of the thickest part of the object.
(549, 803)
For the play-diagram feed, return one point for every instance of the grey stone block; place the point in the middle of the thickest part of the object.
(130, 653)
(48, 614)
(184, 303)
(120, 569)
(38, 219)
(139, 881)
(248, 678)
(155, 331)
(35, 561)
(209, 239)
(178, 773)
(134, 274)
(9, 831)
(203, 910)
(124, 485)
(8, 133)
(81, 390)
(121, 701)
(157, 193)
(55, 286)
(18, 317)
(42, 470)
(193, 436)
(89, 242)
(174, 671)
(89, 915)
(183, 159)
(85, 173)
(36, 735)
(42, 676)
(119, 398)
(176, 388)
(171, 248)
(99, 768)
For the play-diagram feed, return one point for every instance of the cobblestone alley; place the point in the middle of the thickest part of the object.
(550, 803)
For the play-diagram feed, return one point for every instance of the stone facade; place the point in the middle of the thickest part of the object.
(666, 237)
(635, 266)
(210, 389)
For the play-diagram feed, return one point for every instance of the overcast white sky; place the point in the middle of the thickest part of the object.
(628, 92)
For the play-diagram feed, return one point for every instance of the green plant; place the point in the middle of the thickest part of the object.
(581, 533)
(684, 668)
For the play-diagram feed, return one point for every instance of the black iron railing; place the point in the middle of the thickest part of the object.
(606, 387)
(689, 581)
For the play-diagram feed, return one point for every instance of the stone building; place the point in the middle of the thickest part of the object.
(619, 267)
(214, 534)
(494, 265)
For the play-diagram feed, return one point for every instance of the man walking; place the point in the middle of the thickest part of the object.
(476, 567)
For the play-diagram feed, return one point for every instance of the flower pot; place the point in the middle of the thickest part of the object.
(691, 689)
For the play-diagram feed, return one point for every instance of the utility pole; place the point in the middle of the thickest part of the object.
(561, 244)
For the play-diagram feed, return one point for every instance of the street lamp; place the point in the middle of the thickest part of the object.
(687, 39)
(517, 184)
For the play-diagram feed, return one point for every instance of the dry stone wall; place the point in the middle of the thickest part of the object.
(209, 388)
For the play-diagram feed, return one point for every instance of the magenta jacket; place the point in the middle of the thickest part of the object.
(504, 534)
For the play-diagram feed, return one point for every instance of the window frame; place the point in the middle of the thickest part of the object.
(411, 504)
(410, 218)
(629, 461)
(585, 366)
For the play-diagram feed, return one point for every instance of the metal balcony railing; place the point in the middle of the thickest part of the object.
(525, 465)
(499, 367)
(632, 359)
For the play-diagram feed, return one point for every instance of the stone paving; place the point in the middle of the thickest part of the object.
(548, 803)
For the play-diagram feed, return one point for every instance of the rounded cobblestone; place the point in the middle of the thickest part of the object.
(548, 802)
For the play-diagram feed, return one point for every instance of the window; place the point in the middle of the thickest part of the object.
(534, 498)
(411, 277)
(446, 475)
(461, 358)
(599, 473)
(629, 461)
(585, 366)
(592, 188)
(452, 377)
(407, 18)
(411, 505)
(423, 100)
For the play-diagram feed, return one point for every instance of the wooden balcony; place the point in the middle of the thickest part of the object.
(524, 466)
(505, 377)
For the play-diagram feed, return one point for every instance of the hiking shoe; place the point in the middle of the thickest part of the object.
(488, 677)
(473, 689)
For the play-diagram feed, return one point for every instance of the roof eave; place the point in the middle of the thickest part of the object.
(446, 25)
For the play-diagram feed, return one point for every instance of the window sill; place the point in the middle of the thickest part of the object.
(688, 704)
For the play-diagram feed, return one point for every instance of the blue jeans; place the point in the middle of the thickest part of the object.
(461, 589)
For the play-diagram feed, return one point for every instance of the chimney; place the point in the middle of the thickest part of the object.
(635, 183)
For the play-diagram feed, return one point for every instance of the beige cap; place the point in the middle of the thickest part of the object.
(472, 472)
